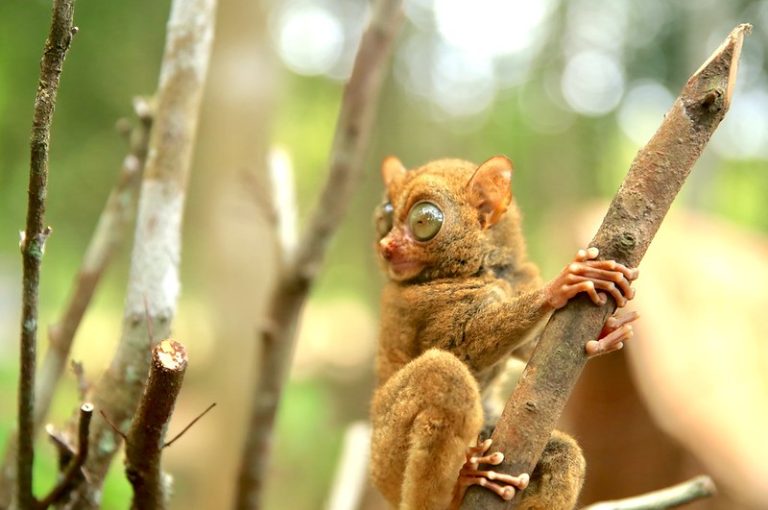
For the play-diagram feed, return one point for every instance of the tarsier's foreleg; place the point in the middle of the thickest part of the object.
(423, 419)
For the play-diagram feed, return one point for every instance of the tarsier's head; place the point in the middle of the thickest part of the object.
(437, 219)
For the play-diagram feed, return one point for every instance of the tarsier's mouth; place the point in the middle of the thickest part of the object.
(402, 269)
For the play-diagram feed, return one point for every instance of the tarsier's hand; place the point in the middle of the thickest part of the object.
(595, 277)
(598, 278)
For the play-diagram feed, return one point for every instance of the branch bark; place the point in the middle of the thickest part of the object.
(287, 299)
(35, 234)
(104, 244)
(154, 273)
(655, 176)
(671, 497)
(146, 437)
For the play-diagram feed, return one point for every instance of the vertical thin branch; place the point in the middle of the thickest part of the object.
(654, 179)
(154, 272)
(145, 441)
(35, 234)
(353, 128)
(104, 244)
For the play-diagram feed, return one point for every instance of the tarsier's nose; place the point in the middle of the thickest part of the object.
(388, 246)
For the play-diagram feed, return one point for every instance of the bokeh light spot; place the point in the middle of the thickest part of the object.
(592, 83)
(643, 109)
(308, 37)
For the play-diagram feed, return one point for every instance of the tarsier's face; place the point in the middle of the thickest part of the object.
(403, 251)
(432, 220)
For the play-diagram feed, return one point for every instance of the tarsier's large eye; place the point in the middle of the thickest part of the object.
(425, 220)
(384, 214)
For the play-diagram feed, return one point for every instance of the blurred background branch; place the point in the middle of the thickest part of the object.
(300, 267)
(671, 497)
(153, 283)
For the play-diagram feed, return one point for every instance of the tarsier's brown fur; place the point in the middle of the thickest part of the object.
(454, 309)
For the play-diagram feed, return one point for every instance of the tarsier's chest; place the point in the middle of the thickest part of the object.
(434, 315)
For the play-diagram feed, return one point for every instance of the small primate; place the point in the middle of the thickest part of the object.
(461, 297)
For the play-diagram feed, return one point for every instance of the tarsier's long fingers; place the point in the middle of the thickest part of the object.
(593, 277)
(502, 484)
(595, 271)
(481, 448)
(506, 492)
(617, 320)
(590, 254)
(521, 481)
(602, 285)
(616, 331)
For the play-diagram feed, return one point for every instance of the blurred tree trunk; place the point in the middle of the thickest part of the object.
(234, 140)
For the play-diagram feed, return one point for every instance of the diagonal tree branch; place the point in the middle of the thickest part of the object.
(655, 176)
(154, 274)
(277, 336)
(35, 234)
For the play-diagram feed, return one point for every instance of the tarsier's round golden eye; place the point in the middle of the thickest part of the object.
(425, 220)
(384, 215)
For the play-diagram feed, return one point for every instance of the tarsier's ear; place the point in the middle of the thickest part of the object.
(392, 171)
(489, 189)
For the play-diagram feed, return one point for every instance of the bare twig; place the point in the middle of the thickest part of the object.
(82, 383)
(104, 244)
(35, 234)
(112, 425)
(686, 492)
(189, 426)
(71, 476)
(289, 294)
(157, 244)
(654, 178)
(144, 445)
(64, 450)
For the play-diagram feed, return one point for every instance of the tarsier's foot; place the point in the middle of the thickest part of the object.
(617, 330)
(502, 484)
(595, 277)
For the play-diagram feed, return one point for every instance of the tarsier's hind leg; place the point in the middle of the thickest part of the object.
(557, 479)
(424, 417)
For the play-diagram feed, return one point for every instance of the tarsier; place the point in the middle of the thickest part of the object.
(461, 298)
